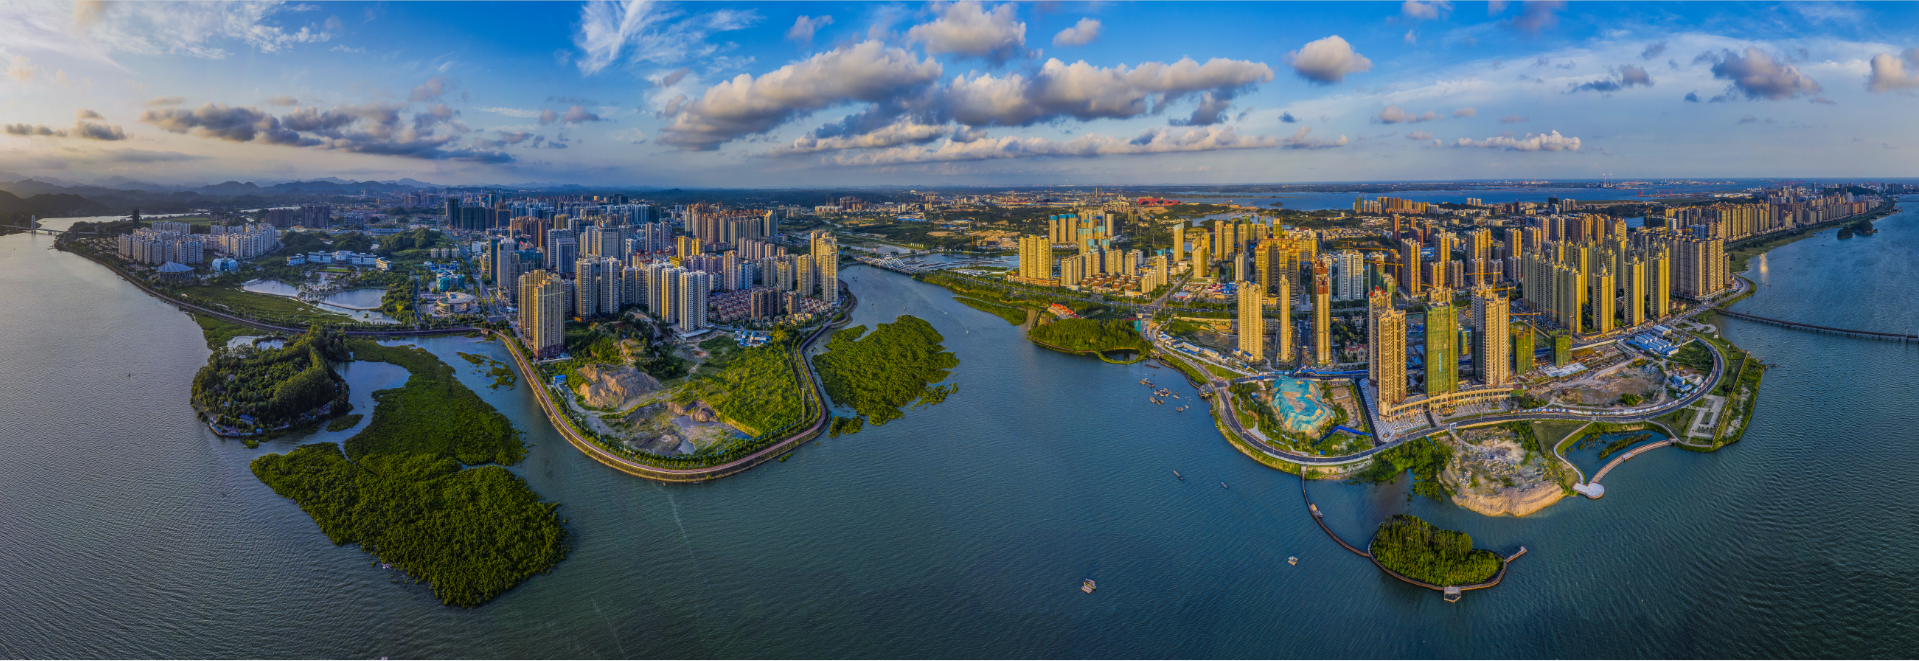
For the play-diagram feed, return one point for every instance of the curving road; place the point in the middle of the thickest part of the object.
(631, 467)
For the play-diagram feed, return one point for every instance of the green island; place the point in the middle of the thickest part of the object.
(344, 422)
(423, 487)
(880, 372)
(1418, 550)
(249, 391)
(1089, 336)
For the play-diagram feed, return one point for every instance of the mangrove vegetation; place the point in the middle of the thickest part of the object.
(881, 372)
(421, 487)
(1421, 551)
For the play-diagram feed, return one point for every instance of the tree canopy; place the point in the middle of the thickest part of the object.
(878, 373)
(1423, 552)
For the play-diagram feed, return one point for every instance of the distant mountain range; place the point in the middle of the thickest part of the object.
(46, 206)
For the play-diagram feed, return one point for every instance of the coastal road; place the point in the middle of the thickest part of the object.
(623, 464)
(1222, 390)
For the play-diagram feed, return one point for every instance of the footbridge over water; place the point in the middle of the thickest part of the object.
(44, 230)
(1593, 489)
(1874, 335)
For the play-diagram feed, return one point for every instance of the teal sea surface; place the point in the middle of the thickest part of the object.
(965, 528)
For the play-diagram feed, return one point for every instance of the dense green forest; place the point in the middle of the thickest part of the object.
(1422, 552)
(265, 389)
(399, 491)
(1081, 335)
(878, 373)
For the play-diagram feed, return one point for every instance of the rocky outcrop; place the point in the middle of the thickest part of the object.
(613, 386)
(696, 410)
(1516, 501)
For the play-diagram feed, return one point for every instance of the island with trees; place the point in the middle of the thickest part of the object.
(1415, 549)
(878, 373)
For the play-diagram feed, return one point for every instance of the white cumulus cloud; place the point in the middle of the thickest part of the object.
(1081, 34)
(1889, 71)
(1327, 61)
(805, 26)
(970, 29)
(1532, 142)
(869, 72)
(1152, 141)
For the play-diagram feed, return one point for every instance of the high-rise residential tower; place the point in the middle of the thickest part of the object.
(542, 310)
(1442, 339)
(1388, 354)
(1490, 317)
(1322, 315)
(1252, 322)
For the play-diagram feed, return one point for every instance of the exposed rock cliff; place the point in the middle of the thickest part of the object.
(613, 386)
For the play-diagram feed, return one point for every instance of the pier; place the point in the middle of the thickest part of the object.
(1871, 335)
(1593, 489)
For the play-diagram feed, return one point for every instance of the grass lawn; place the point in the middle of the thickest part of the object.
(219, 331)
(264, 307)
(1220, 372)
(1551, 432)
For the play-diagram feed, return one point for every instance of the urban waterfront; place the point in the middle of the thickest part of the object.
(962, 530)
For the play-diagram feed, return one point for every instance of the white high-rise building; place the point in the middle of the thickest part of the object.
(1349, 275)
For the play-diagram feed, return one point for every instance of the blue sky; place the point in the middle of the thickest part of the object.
(799, 94)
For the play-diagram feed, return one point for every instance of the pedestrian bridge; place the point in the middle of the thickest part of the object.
(1875, 335)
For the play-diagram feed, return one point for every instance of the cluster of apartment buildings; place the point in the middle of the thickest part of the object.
(243, 241)
(686, 290)
(310, 216)
(163, 243)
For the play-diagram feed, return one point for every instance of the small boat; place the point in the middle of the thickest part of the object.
(1088, 586)
(1176, 474)
(1222, 485)
(1292, 560)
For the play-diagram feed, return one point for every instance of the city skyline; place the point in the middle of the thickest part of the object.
(824, 94)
